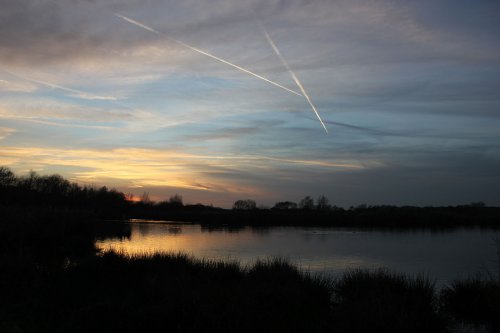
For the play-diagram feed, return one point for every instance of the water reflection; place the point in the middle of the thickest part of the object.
(223, 228)
(442, 255)
(113, 230)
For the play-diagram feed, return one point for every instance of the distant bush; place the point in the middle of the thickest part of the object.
(7, 177)
(307, 203)
(322, 203)
(245, 205)
(283, 205)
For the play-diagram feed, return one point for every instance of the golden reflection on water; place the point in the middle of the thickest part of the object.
(441, 255)
(191, 239)
(245, 245)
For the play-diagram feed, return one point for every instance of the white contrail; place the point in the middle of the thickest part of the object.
(295, 78)
(139, 24)
(77, 93)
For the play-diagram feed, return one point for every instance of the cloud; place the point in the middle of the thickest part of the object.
(410, 89)
(404, 177)
(46, 109)
(10, 86)
(134, 167)
(34, 31)
(74, 92)
(223, 134)
(5, 132)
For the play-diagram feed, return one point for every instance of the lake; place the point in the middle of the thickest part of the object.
(442, 255)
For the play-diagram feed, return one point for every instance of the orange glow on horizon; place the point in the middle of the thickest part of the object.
(146, 169)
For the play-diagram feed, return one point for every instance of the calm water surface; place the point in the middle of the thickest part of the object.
(442, 255)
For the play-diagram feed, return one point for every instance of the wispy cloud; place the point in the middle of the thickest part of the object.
(55, 110)
(5, 132)
(74, 92)
(152, 167)
(10, 86)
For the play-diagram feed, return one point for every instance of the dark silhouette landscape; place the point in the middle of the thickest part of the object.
(55, 280)
(54, 191)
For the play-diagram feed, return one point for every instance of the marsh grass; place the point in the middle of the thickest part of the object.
(380, 300)
(475, 301)
(113, 292)
(175, 292)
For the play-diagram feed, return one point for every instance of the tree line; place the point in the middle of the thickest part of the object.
(55, 191)
(306, 203)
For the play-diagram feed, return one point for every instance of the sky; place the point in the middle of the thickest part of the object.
(409, 92)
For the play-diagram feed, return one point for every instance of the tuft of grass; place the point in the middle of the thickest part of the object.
(287, 297)
(372, 301)
(475, 300)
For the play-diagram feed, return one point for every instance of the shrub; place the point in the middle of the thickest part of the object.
(380, 301)
(474, 300)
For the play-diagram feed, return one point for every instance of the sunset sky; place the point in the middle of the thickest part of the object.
(408, 90)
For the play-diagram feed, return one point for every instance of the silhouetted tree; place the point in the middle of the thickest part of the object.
(176, 200)
(285, 205)
(7, 177)
(145, 199)
(129, 197)
(306, 203)
(55, 190)
(362, 207)
(52, 185)
(29, 182)
(245, 204)
(322, 203)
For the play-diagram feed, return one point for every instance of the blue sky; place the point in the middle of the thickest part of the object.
(409, 91)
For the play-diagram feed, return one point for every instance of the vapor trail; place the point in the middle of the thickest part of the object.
(78, 93)
(139, 24)
(295, 78)
(75, 92)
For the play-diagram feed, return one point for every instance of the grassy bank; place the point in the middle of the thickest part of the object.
(111, 292)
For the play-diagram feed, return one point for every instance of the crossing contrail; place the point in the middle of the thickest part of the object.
(143, 26)
(295, 78)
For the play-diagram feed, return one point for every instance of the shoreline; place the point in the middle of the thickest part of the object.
(162, 291)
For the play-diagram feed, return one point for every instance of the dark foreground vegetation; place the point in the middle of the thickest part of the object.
(52, 278)
(175, 293)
